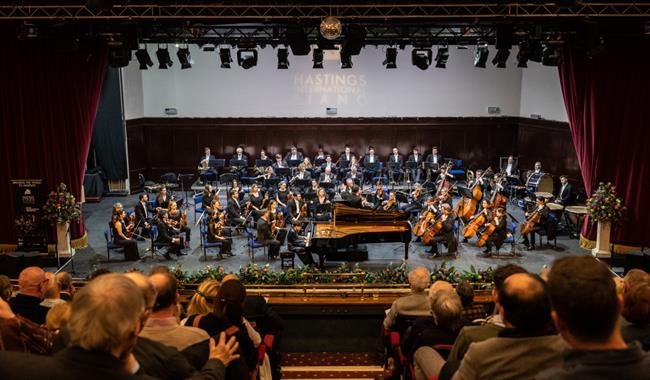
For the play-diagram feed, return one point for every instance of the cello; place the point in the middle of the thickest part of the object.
(498, 200)
(486, 234)
(531, 221)
(432, 231)
(423, 224)
(473, 226)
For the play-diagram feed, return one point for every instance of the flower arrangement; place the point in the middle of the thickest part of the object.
(252, 274)
(61, 206)
(604, 205)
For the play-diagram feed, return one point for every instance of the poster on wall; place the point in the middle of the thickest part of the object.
(29, 198)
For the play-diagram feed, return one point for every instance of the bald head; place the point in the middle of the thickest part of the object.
(166, 288)
(32, 282)
(148, 291)
(525, 304)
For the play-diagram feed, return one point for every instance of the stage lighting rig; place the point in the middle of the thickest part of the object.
(501, 58)
(143, 58)
(164, 60)
(283, 58)
(247, 58)
(318, 58)
(421, 58)
(391, 58)
(184, 57)
(481, 55)
(522, 55)
(224, 56)
(441, 57)
(346, 60)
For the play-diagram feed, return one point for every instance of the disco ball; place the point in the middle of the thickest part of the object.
(331, 28)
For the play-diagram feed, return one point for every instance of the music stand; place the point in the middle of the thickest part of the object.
(319, 161)
(322, 208)
(401, 197)
(226, 179)
(301, 184)
(464, 192)
(263, 163)
(271, 183)
(293, 163)
(373, 166)
(248, 181)
(282, 172)
(310, 195)
(238, 165)
(326, 185)
(431, 166)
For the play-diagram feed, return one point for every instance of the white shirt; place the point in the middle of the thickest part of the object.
(435, 158)
(396, 157)
(144, 207)
(239, 157)
(562, 190)
(371, 158)
(294, 156)
(509, 169)
(415, 157)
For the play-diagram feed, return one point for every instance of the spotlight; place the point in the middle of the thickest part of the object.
(391, 58)
(550, 56)
(143, 58)
(346, 60)
(535, 50)
(164, 60)
(441, 57)
(481, 55)
(522, 55)
(421, 58)
(318, 58)
(184, 57)
(247, 58)
(224, 55)
(283, 58)
(501, 58)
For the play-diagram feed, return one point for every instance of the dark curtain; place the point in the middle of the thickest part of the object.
(107, 148)
(607, 99)
(48, 102)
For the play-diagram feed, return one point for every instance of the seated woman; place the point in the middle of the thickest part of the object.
(322, 206)
(120, 237)
(177, 216)
(215, 233)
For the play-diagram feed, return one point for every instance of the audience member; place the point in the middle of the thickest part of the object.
(203, 299)
(98, 272)
(636, 311)
(66, 287)
(22, 335)
(32, 284)
(106, 317)
(492, 325)
(525, 346)
(52, 294)
(6, 288)
(416, 304)
(471, 310)
(58, 316)
(162, 325)
(586, 312)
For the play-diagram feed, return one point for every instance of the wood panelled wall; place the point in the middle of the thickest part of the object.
(159, 145)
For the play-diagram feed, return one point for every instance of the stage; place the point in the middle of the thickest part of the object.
(97, 215)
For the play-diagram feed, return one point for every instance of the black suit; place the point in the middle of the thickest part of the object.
(565, 195)
(29, 307)
(265, 237)
(395, 166)
(513, 170)
(415, 173)
(165, 237)
(371, 171)
(344, 160)
(446, 235)
(234, 212)
(142, 215)
(299, 157)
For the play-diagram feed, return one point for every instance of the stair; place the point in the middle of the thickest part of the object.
(329, 365)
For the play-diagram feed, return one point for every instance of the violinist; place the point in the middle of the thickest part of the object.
(215, 233)
(234, 208)
(416, 199)
(296, 205)
(121, 237)
(500, 232)
(255, 201)
(322, 206)
(380, 195)
(180, 221)
(542, 210)
(446, 233)
(209, 197)
(165, 237)
(163, 199)
(142, 217)
(265, 235)
(282, 195)
(391, 203)
(235, 185)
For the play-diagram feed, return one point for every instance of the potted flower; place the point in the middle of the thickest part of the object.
(604, 207)
(60, 208)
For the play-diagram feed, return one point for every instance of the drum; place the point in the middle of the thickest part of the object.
(544, 195)
(578, 210)
(554, 206)
(540, 182)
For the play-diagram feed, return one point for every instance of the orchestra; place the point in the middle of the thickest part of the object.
(290, 189)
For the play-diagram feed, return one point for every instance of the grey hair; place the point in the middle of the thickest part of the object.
(446, 309)
(419, 279)
(105, 313)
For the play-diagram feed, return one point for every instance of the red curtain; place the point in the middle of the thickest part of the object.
(607, 99)
(48, 102)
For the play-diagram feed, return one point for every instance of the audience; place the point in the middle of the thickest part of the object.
(106, 317)
(52, 294)
(203, 298)
(162, 325)
(586, 312)
(415, 304)
(492, 325)
(471, 310)
(66, 287)
(58, 316)
(6, 288)
(32, 284)
(636, 311)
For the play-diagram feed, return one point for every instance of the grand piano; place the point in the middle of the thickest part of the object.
(353, 226)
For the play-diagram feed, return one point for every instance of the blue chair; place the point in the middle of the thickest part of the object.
(205, 244)
(110, 245)
(155, 245)
(253, 244)
(198, 200)
(552, 223)
(457, 171)
(383, 179)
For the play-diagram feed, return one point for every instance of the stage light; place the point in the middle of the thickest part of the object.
(226, 59)
(550, 56)
(535, 50)
(501, 58)
(481, 55)
(184, 57)
(164, 60)
(522, 55)
(441, 57)
(283, 58)
(318, 58)
(143, 58)
(391, 58)
(247, 58)
(421, 58)
(346, 60)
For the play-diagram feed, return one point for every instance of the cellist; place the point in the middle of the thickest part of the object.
(446, 233)
(500, 232)
(542, 210)
(474, 223)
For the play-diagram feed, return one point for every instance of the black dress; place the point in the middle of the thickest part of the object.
(130, 246)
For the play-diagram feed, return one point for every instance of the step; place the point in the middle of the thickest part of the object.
(329, 365)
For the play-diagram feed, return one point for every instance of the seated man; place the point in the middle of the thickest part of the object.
(297, 243)
(527, 345)
(265, 236)
(636, 311)
(32, 284)
(395, 164)
(415, 304)
(586, 312)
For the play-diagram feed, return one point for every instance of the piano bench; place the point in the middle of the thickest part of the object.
(288, 257)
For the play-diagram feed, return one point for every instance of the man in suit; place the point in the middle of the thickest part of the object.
(32, 284)
(295, 206)
(395, 164)
(265, 236)
(175, 242)
(415, 159)
(206, 164)
(354, 174)
(346, 157)
(293, 154)
(327, 176)
(239, 161)
(446, 234)
(234, 210)
(510, 167)
(371, 164)
(416, 304)
(435, 161)
(565, 194)
(142, 217)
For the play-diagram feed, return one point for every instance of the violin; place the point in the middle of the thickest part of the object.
(303, 210)
(279, 220)
(389, 203)
(183, 218)
(130, 227)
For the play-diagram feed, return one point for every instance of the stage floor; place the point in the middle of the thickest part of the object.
(97, 216)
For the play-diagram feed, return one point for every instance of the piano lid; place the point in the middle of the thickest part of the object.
(347, 213)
